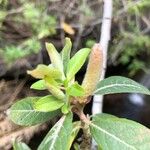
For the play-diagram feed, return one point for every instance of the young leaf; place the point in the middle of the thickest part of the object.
(22, 112)
(66, 53)
(118, 84)
(55, 57)
(76, 146)
(54, 89)
(58, 136)
(20, 146)
(114, 133)
(75, 90)
(76, 62)
(65, 109)
(42, 70)
(48, 103)
(39, 85)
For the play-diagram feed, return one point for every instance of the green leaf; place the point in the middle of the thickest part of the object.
(48, 103)
(20, 146)
(42, 70)
(65, 109)
(75, 90)
(39, 85)
(58, 136)
(76, 62)
(76, 146)
(22, 112)
(55, 57)
(113, 133)
(75, 130)
(3, 14)
(89, 43)
(54, 89)
(118, 84)
(66, 53)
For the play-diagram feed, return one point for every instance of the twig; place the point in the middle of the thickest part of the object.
(130, 5)
(85, 121)
(24, 133)
(14, 95)
(6, 126)
(86, 138)
(18, 89)
(146, 21)
(62, 34)
(16, 11)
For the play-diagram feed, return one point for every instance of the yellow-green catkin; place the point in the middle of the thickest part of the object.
(93, 72)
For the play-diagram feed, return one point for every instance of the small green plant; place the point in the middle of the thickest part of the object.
(12, 53)
(68, 97)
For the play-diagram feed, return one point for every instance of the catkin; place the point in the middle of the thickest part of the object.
(94, 70)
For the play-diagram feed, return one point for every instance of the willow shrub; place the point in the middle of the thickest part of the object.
(67, 97)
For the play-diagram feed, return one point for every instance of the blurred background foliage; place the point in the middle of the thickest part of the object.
(131, 45)
(24, 24)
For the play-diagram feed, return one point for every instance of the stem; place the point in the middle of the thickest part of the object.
(85, 121)
(86, 137)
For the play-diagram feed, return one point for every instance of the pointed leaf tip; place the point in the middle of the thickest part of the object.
(55, 57)
(20, 146)
(42, 70)
(66, 53)
(39, 85)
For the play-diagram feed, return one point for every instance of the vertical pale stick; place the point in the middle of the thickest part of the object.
(104, 41)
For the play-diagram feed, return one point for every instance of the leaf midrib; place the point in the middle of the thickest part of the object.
(113, 136)
(57, 132)
(27, 111)
(108, 86)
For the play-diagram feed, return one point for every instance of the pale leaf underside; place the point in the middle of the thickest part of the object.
(58, 136)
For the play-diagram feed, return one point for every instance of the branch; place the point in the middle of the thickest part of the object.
(22, 133)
